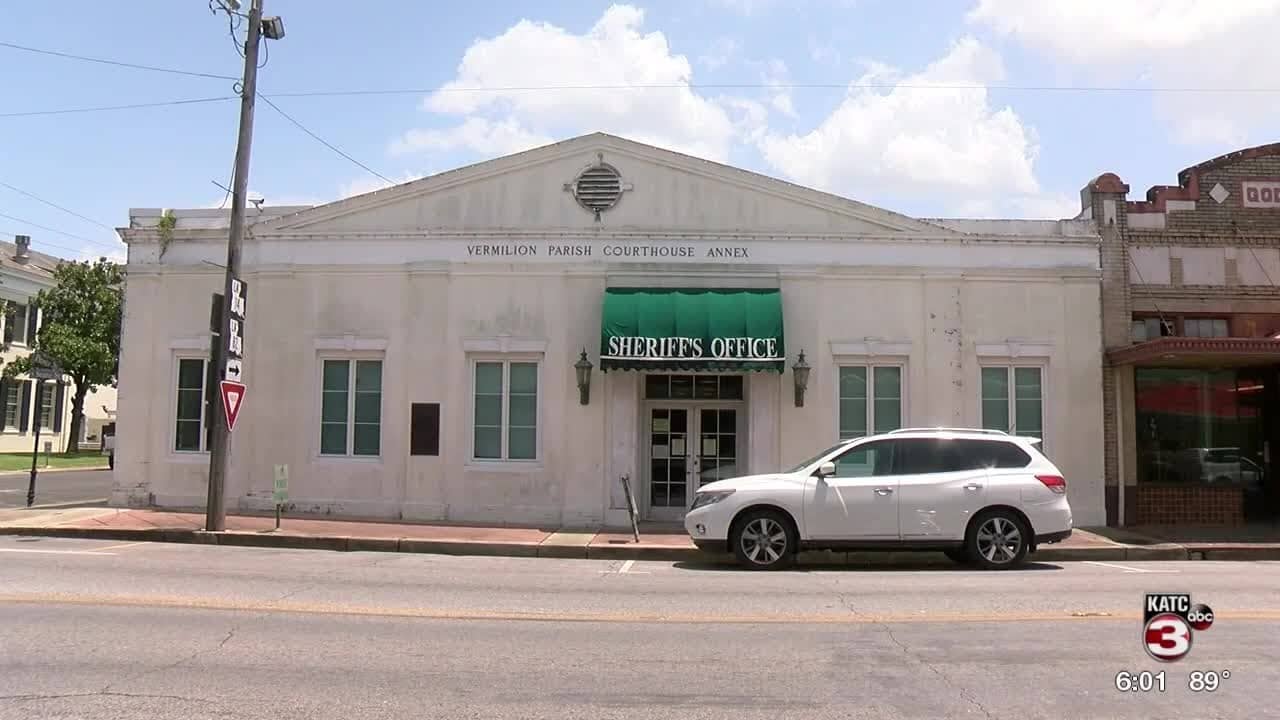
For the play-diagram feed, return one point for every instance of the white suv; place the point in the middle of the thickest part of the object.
(981, 496)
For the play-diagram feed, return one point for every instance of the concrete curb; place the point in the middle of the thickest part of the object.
(630, 551)
(46, 471)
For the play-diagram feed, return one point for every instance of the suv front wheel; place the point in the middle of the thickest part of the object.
(763, 540)
(998, 540)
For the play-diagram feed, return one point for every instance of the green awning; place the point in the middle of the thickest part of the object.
(692, 329)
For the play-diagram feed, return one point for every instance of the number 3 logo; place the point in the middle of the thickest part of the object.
(1167, 637)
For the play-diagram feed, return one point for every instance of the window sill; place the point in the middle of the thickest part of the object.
(347, 459)
(189, 458)
(500, 466)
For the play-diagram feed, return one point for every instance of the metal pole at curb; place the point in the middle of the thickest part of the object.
(631, 506)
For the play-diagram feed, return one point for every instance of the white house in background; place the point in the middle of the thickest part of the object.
(416, 352)
(23, 274)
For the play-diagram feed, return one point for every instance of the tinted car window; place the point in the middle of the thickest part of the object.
(916, 456)
(975, 454)
(927, 455)
(871, 459)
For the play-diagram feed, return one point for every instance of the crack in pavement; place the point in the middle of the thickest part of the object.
(965, 693)
(102, 693)
(106, 690)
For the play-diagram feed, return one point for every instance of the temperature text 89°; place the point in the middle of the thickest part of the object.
(1206, 680)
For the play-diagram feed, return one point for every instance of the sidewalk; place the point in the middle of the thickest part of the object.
(657, 542)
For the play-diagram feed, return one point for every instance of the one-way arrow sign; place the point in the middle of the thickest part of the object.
(232, 400)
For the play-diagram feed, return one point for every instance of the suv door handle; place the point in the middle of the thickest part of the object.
(884, 491)
(973, 486)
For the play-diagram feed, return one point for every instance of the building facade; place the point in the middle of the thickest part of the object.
(1191, 317)
(23, 274)
(505, 341)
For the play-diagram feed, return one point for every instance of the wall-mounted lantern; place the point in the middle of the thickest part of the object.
(800, 373)
(583, 368)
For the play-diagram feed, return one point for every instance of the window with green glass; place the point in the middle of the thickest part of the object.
(351, 408)
(190, 434)
(870, 399)
(1013, 400)
(505, 411)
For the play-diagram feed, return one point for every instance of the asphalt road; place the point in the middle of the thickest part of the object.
(129, 630)
(64, 486)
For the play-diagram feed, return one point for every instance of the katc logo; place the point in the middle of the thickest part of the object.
(1169, 621)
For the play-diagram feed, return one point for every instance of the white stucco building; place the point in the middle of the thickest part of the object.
(23, 274)
(411, 352)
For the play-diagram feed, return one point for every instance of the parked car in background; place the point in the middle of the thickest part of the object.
(981, 496)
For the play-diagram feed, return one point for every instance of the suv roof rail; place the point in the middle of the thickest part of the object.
(979, 431)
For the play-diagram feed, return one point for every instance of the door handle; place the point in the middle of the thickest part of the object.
(884, 491)
(973, 486)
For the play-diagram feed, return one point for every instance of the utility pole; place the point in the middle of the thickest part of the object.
(220, 440)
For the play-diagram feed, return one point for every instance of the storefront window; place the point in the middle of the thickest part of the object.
(874, 405)
(1198, 426)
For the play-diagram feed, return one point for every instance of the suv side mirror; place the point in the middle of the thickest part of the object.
(825, 470)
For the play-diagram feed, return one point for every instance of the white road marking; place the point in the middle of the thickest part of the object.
(625, 569)
(55, 552)
(121, 547)
(1126, 568)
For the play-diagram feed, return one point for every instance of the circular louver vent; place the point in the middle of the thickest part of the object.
(598, 188)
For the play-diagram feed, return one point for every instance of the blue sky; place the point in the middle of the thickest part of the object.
(896, 139)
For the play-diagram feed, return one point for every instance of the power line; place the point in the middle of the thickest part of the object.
(9, 234)
(118, 63)
(49, 229)
(324, 142)
(767, 86)
(648, 86)
(54, 205)
(166, 103)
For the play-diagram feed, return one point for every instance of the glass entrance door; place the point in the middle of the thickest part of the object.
(688, 448)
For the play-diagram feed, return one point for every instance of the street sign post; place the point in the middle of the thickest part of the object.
(227, 367)
(232, 401)
(234, 350)
(280, 490)
(43, 368)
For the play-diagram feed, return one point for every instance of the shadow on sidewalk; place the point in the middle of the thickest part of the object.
(1157, 534)
(855, 567)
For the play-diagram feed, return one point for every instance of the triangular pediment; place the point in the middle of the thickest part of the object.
(660, 191)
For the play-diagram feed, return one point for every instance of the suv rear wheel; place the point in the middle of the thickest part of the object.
(998, 540)
(764, 540)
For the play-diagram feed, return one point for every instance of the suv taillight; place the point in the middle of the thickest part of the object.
(1056, 483)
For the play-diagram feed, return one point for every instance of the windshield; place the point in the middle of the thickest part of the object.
(817, 457)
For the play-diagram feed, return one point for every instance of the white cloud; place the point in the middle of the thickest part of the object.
(776, 77)
(1163, 43)
(368, 183)
(615, 51)
(91, 253)
(952, 144)
(745, 7)
(487, 137)
(719, 53)
(824, 53)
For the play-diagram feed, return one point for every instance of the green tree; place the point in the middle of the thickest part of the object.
(80, 330)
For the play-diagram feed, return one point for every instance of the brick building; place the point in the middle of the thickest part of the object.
(1191, 333)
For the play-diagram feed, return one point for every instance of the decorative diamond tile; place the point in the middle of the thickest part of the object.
(1219, 193)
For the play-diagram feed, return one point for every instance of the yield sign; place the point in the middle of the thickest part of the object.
(232, 399)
